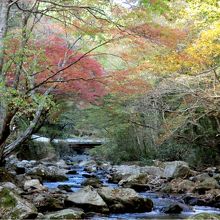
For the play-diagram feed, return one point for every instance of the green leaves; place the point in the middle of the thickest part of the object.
(159, 6)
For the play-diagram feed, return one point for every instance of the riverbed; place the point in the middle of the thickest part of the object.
(75, 181)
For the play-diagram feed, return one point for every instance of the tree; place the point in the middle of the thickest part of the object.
(38, 62)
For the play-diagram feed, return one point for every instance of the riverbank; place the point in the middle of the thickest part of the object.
(81, 187)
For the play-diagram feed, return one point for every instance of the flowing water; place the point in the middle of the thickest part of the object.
(75, 180)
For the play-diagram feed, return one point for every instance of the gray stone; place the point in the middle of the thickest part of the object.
(47, 201)
(33, 184)
(176, 169)
(49, 173)
(66, 214)
(14, 207)
(88, 199)
(152, 170)
(125, 200)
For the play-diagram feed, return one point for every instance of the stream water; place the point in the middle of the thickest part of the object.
(75, 180)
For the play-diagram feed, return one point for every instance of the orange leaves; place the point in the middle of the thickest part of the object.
(159, 35)
(126, 82)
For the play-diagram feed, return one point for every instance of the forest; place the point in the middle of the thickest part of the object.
(109, 108)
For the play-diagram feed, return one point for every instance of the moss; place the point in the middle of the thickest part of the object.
(6, 200)
(202, 216)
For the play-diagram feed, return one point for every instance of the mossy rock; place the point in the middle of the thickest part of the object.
(7, 200)
(202, 216)
(12, 206)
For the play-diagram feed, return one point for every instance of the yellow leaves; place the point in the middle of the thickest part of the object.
(197, 56)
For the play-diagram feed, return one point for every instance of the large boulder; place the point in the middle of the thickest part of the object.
(172, 209)
(152, 170)
(33, 184)
(66, 214)
(176, 169)
(14, 207)
(92, 181)
(137, 182)
(182, 186)
(120, 172)
(88, 199)
(125, 200)
(206, 184)
(48, 173)
(47, 201)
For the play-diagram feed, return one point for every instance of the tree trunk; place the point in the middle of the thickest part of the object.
(4, 13)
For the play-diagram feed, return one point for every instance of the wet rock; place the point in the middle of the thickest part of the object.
(33, 184)
(88, 199)
(66, 188)
(125, 200)
(176, 169)
(211, 198)
(47, 201)
(90, 169)
(193, 200)
(73, 172)
(87, 175)
(87, 163)
(49, 173)
(14, 207)
(93, 181)
(202, 216)
(66, 214)
(20, 170)
(172, 209)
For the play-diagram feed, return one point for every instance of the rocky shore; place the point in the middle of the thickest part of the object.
(103, 189)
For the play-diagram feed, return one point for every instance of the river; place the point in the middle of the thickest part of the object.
(75, 181)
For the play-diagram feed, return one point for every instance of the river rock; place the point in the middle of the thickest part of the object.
(202, 216)
(200, 177)
(62, 164)
(65, 187)
(47, 201)
(172, 209)
(206, 184)
(182, 186)
(86, 163)
(66, 214)
(152, 170)
(176, 169)
(14, 207)
(137, 182)
(11, 187)
(72, 172)
(93, 181)
(33, 184)
(88, 199)
(49, 173)
(120, 172)
(125, 200)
